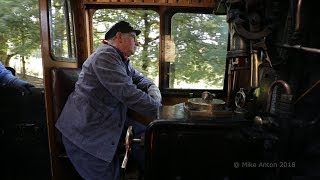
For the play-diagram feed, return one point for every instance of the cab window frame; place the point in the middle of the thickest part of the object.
(164, 66)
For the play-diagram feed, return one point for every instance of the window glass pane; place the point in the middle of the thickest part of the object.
(146, 58)
(61, 31)
(196, 51)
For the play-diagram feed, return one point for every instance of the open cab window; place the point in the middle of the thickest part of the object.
(195, 51)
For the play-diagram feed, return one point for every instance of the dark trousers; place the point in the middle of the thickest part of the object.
(89, 167)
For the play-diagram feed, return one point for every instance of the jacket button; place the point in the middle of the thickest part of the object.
(112, 143)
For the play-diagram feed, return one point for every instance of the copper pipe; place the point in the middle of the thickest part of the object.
(254, 70)
(229, 84)
(284, 84)
(298, 16)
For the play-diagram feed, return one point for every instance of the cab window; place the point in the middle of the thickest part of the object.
(61, 31)
(196, 51)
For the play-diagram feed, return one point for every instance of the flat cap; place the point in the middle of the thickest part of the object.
(121, 26)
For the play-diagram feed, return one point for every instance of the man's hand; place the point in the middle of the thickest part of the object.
(21, 85)
(155, 93)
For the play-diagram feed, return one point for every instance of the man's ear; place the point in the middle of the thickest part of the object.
(119, 36)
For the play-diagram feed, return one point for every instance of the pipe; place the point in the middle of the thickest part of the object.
(298, 16)
(284, 84)
(308, 49)
(254, 70)
(308, 91)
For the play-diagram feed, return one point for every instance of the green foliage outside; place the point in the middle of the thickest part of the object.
(62, 39)
(201, 47)
(19, 29)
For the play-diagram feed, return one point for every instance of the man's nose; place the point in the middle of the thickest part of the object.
(137, 43)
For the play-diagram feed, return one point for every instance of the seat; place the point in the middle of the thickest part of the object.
(183, 150)
(63, 83)
(12, 70)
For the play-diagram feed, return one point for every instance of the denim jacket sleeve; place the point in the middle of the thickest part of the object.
(139, 79)
(5, 75)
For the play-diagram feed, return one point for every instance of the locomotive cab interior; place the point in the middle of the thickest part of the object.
(253, 112)
(260, 115)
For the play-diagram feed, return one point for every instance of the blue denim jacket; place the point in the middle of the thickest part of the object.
(5, 75)
(94, 115)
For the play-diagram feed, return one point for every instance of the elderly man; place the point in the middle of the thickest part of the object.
(95, 114)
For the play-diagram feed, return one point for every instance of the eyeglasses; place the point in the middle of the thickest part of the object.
(133, 36)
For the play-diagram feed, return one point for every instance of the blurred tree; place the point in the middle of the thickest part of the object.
(19, 29)
(201, 45)
(62, 35)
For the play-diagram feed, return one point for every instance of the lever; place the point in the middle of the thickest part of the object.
(128, 144)
(128, 141)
